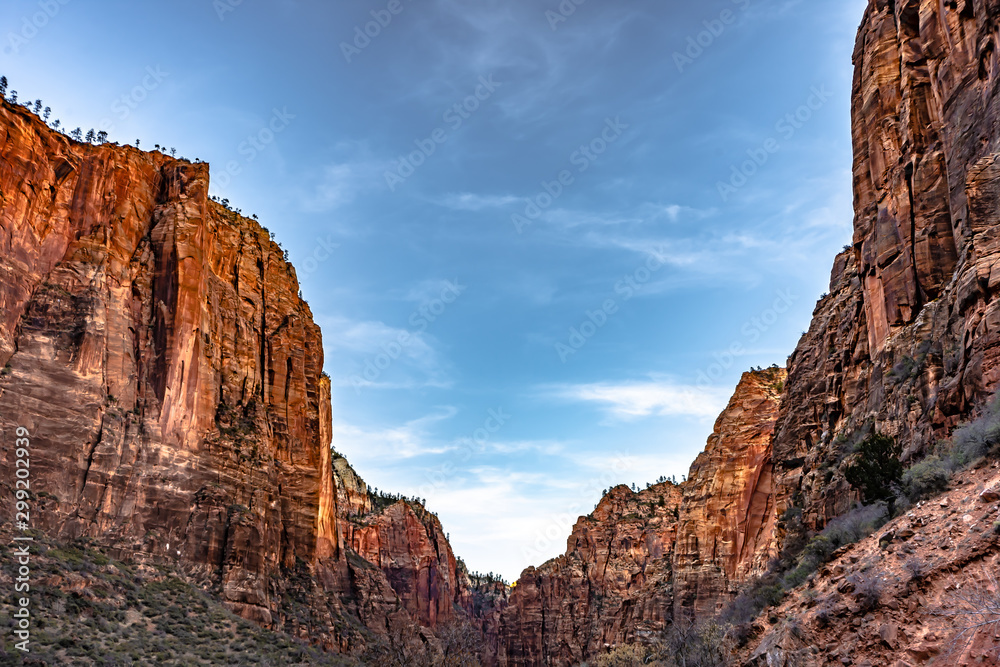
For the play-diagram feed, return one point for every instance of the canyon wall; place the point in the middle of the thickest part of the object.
(907, 340)
(642, 560)
(155, 346)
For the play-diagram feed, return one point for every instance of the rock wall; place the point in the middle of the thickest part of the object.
(907, 340)
(156, 347)
(642, 559)
(726, 531)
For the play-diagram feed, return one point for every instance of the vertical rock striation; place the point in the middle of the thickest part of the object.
(643, 559)
(156, 347)
(907, 341)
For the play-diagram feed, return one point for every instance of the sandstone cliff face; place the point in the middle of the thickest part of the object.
(613, 585)
(641, 559)
(727, 521)
(907, 341)
(156, 347)
(161, 358)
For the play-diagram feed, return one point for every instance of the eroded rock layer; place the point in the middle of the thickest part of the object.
(641, 559)
(155, 346)
(908, 340)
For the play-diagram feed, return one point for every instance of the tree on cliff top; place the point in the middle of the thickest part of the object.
(3, 86)
(876, 470)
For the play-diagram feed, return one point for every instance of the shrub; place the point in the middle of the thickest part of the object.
(978, 438)
(867, 590)
(876, 469)
(856, 525)
(925, 479)
(624, 656)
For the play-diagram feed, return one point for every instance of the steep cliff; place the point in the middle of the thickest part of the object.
(155, 346)
(907, 340)
(726, 531)
(640, 560)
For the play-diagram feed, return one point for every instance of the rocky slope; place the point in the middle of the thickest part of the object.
(641, 559)
(901, 596)
(155, 346)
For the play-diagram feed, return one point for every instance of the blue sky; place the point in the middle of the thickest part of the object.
(524, 232)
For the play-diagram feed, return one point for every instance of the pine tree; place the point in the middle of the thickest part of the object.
(76, 134)
(91, 136)
(3, 86)
(13, 97)
(46, 114)
(38, 106)
(876, 469)
(56, 124)
(102, 137)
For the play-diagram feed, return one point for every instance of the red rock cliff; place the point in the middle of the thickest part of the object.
(726, 532)
(907, 341)
(156, 347)
(643, 558)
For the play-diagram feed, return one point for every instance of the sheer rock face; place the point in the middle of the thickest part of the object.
(155, 346)
(727, 517)
(908, 340)
(639, 560)
(612, 586)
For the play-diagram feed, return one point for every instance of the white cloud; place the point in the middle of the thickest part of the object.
(354, 347)
(407, 441)
(656, 398)
(468, 201)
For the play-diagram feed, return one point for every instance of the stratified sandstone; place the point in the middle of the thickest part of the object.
(727, 518)
(613, 586)
(642, 559)
(907, 341)
(156, 347)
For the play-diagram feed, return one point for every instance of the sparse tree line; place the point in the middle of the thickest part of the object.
(96, 137)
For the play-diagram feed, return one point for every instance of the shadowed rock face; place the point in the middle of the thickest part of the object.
(642, 558)
(156, 347)
(907, 340)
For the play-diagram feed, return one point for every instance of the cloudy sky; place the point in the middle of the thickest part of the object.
(543, 241)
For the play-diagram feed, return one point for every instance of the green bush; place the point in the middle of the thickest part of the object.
(925, 479)
(876, 469)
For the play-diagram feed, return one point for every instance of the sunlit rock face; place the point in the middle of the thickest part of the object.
(907, 340)
(642, 559)
(157, 349)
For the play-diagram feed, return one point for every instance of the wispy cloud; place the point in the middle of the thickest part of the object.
(352, 345)
(468, 201)
(407, 441)
(634, 400)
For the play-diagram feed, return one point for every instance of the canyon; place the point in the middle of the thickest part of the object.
(156, 347)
